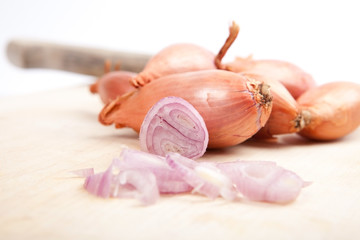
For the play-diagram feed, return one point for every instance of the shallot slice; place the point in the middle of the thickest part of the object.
(145, 176)
(142, 184)
(168, 180)
(263, 181)
(115, 182)
(205, 178)
(174, 125)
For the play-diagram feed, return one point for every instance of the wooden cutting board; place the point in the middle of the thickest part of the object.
(45, 136)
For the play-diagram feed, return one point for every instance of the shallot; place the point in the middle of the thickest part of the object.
(174, 125)
(183, 57)
(204, 177)
(263, 181)
(145, 176)
(286, 116)
(291, 76)
(112, 84)
(115, 182)
(168, 180)
(234, 107)
(177, 58)
(331, 110)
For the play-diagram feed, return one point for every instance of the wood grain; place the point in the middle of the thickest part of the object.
(43, 137)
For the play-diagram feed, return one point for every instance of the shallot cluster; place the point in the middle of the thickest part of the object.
(145, 176)
(187, 100)
(299, 106)
(238, 100)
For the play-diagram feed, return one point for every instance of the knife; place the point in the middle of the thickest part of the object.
(27, 53)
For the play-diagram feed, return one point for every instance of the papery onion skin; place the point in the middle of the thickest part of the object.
(333, 110)
(291, 76)
(174, 125)
(112, 85)
(286, 116)
(234, 107)
(176, 58)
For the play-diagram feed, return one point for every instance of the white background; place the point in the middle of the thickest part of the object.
(322, 37)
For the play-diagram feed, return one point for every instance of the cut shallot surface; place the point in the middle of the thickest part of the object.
(174, 125)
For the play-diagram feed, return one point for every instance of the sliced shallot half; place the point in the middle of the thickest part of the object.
(174, 125)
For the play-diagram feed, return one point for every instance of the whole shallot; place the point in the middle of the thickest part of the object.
(182, 57)
(112, 83)
(177, 58)
(286, 116)
(331, 110)
(234, 107)
(291, 76)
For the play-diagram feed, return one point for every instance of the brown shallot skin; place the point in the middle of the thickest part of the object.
(286, 116)
(113, 84)
(291, 76)
(176, 58)
(333, 110)
(234, 107)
